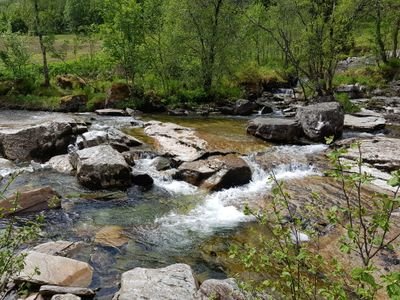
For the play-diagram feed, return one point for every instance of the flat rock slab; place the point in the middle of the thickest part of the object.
(111, 112)
(101, 167)
(50, 290)
(381, 152)
(31, 201)
(55, 270)
(276, 129)
(170, 283)
(176, 141)
(367, 124)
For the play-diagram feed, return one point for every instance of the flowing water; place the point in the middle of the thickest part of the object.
(169, 223)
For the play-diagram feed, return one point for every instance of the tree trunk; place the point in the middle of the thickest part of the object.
(378, 32)
(43, 49)
(396, 31)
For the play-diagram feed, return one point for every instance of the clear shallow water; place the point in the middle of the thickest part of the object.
(171, 222)
(165, 225)
(221, 133)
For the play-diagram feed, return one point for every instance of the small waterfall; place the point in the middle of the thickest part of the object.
(164, 179)
(224, 209)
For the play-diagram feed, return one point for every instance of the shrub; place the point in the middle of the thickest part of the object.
(285, 265)
(348, 106)
(12, 238)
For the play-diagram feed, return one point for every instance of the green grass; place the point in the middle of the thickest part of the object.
(69, 44)
(370, 77)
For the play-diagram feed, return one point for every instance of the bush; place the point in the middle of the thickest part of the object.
(370, 77)
(294, 269)
(348, 106)
(12, 238)
(391, 70)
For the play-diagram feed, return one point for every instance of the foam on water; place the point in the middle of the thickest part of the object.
(224, 209)
(163, 179)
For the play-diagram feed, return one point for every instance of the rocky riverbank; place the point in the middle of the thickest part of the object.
(115, 198)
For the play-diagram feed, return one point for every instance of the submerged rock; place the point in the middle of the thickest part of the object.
(321, 120)
(112, 236)
(276, 129)
(216, 172)
(55, 270)
(101, 167)
(30, 201)
(169, 283)
(176, 141)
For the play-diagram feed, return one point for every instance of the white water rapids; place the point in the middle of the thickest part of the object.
(222, 209)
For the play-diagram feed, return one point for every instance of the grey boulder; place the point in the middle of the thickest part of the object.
(101, 167)
(321, 120)
(276, 129)
(169, 283)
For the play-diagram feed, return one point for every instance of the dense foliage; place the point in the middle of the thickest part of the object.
(199, 50)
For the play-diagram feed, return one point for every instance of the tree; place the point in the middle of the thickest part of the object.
(207, 29)
(15, 55)
(75, 12)
(312, 35)
(123, 35)
(387, 27)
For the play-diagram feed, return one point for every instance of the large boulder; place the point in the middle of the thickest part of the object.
(37, 138)
(365, 124)
(32, 200)
(321, 120)
(170, 283)
(117, 93)
(180, 143)
(73, 103)
(55, 270)
(216, 172)
(101, 167)
(276, 129)
(245, 107)
(36, 142)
